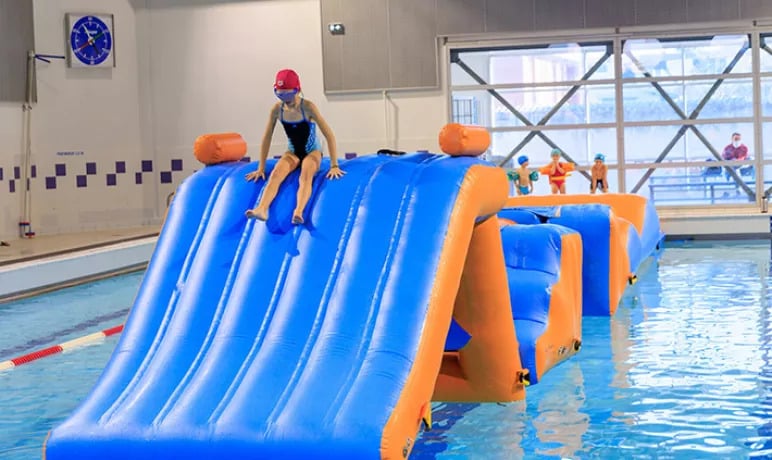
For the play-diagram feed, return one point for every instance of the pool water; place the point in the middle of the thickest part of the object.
(681, 371)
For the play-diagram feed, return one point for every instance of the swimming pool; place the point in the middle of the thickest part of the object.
(681, 371)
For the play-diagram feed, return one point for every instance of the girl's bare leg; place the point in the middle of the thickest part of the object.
(284, 166)
(308, 169)
(554, 188)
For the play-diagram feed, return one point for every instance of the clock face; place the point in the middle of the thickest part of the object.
(91, 40)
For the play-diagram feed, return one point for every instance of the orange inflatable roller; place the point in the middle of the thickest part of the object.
(216, 148)
(464, 140)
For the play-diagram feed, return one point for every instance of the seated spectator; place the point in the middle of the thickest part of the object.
(736, 151)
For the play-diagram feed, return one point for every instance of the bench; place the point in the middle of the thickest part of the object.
(707, 187)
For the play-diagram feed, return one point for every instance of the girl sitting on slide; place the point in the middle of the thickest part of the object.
(299, 117)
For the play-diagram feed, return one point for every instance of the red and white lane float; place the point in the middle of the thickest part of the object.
(65, 346)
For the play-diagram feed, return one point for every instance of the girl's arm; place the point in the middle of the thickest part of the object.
(265, 145)
(326, 131)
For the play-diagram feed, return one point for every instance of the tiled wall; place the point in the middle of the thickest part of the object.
(91, 172)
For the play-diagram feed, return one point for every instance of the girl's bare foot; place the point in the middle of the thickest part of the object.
(297, 219)
(257, 213)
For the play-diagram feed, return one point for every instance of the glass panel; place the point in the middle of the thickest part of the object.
(471, 105)
(503, 143)
(643, 144)
(642, 101)
(767, 177)
(479, 64)
(733, 98)
(579, 144)
(766, 53)
(549, 64)
(766, 96)
(720, 137)
(685, 57)
(766, 132)
(601, 100)
(692, 186)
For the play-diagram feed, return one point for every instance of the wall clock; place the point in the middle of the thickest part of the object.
(91, 42)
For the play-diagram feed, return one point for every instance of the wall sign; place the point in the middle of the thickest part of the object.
(90, 40)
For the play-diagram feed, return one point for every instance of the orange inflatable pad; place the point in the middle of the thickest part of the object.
(563, 336)
(464, 140)
(211, 149)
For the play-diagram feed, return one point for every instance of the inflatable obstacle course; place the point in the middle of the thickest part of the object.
(415, 279)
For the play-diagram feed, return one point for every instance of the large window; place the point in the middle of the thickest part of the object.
(682, 103)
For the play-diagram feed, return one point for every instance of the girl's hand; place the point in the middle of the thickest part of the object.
(255, 175)
(335, 173)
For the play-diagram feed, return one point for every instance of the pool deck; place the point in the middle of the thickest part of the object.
(44, 246)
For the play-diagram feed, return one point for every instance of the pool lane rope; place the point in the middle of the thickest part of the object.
(65, 346)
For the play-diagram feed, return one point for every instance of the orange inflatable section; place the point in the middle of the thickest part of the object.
(464, 140)
(487, 368)
(211, 149)
(562, 338)
(478, 297)
(627, 206)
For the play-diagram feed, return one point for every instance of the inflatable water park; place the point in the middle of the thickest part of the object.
(415, 278)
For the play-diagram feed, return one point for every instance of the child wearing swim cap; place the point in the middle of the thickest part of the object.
(522, 177)
(599, 173)
(299, 118)
(557, 172)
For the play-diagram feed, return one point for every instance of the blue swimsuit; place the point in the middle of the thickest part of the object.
(300, 134)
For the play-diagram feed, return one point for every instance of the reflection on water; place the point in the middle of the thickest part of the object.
(681, 371)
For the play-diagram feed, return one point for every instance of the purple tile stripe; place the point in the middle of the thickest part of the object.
(91, 169)
(138, 178)
(61, 169)
(350, 155)
(120, 167)
(1, 173)
(33, 171)
(166, 177)
(12, 186)
(16, 172)
(50, 182)
(81, 180)
(176, 165)
(111, 180)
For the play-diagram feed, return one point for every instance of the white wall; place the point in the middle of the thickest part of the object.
(184, 68)
(10, 147)
(210, 67)
(94, 111)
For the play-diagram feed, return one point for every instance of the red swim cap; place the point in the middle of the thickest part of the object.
(287, 79)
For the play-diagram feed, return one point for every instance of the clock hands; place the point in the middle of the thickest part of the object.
(91, 40)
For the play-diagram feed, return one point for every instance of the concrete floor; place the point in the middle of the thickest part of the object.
(44, 246)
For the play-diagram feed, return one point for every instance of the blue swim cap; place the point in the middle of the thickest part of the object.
(522, 160)
(600, 156)
(555, 152)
